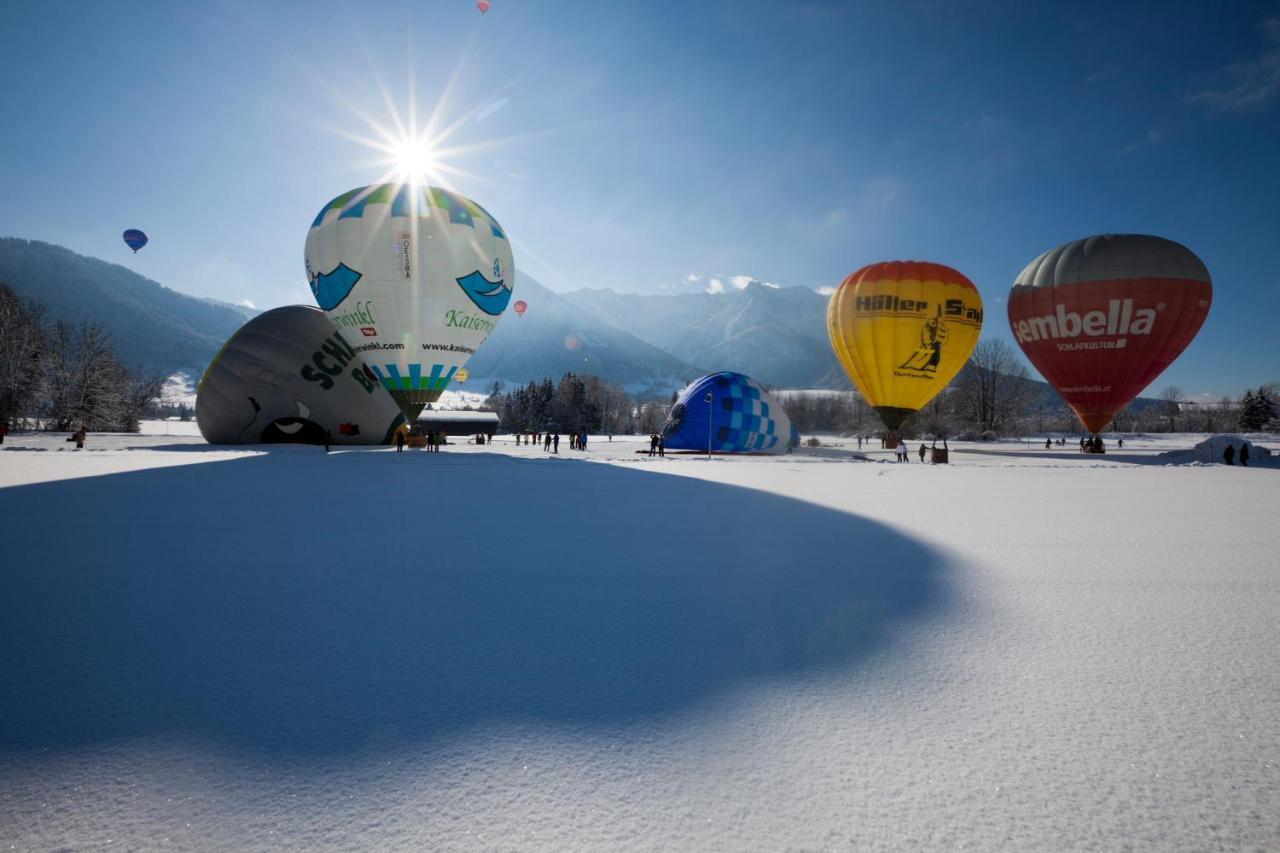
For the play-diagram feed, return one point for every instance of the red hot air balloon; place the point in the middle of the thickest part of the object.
(1102, 317)
(482, 5)
(521, 306)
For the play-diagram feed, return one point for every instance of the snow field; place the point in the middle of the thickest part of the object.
(486, 647)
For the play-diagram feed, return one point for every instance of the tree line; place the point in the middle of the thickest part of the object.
(574, 404)
(994, 395)
(62, 377)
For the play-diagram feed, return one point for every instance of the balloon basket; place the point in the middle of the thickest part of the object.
(939, 456)
(891, 442)
(416, 440)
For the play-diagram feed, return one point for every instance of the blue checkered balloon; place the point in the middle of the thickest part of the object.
(743, 418)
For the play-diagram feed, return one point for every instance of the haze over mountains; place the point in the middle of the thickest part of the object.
(556, 335)
(777, 335)
(651, 343)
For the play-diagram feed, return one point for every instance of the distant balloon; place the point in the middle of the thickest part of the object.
(521, 306)
(135, 239)
(902, 330)
(417, 277)
(1102, 317)
(462, 375)
(482, 5)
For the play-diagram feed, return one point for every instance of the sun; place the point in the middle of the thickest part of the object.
(414, 161)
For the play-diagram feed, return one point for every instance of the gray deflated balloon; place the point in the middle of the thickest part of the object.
(289, 376)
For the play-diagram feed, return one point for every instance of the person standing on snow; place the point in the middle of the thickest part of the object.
(1244, 454)
(399, 441)
(922, 451)
(555, 443)
(1229, 455)
(901, 452)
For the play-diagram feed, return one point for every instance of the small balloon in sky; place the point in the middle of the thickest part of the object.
(521, 306)
(482, 5)
(135, 239)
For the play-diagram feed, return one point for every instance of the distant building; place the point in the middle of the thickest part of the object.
(458, 423)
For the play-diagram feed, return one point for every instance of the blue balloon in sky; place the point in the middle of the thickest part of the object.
(742, 415)
(135, 239)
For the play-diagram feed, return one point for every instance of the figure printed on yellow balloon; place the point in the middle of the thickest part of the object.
(933, 334)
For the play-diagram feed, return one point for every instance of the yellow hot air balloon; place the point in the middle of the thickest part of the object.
(902, 330)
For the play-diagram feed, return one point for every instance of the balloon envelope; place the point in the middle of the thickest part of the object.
(288, 376)
(902, 330)
(135, 239)
(742, 415)
(417, 277)
(1102, 317)
(482, 5)
(521, 306)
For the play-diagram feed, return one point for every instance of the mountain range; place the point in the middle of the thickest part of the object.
(556, 335)
(777, 335)
(151, 326)
(652, 344)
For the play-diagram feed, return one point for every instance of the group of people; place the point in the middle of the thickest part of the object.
(435, 440)
(1093, 444)
(550, 441)
(1229, 454)
(903, 454)
(657, 444)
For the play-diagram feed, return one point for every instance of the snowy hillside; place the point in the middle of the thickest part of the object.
(1027, 649)
(776, 335)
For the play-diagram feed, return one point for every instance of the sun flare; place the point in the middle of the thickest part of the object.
(414, 161)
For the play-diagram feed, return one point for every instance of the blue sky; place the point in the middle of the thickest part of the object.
(637, 145)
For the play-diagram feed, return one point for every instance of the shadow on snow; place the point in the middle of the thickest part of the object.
(294, 603)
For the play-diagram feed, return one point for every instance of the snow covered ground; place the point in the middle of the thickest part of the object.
(490, 647)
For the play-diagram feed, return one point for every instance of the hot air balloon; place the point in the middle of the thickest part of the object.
(135, 239)
(728, 413)
(1102, 317)
(482, 5)
(902, 330)
(417, 276)
(288, 375)
(521, 306)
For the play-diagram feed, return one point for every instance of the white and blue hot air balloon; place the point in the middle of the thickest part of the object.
(731, 413)
(415, 277)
